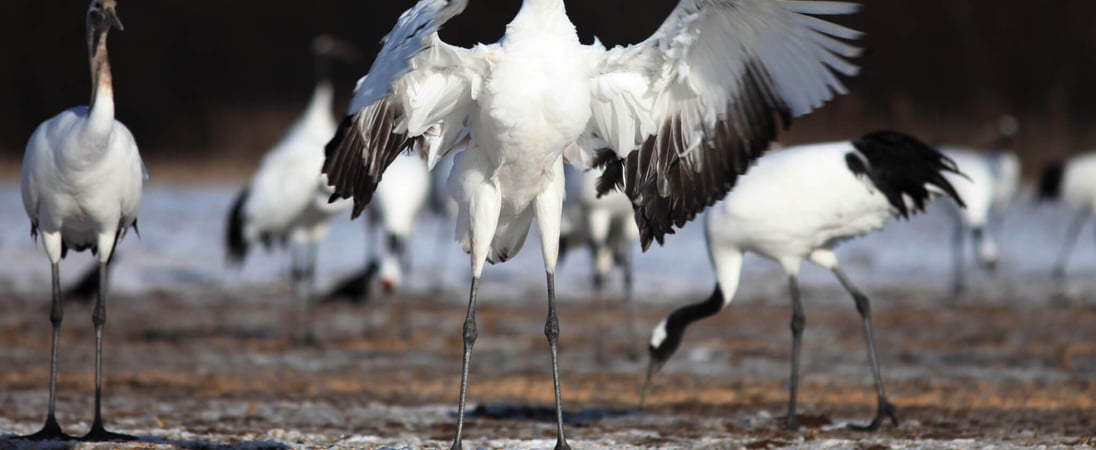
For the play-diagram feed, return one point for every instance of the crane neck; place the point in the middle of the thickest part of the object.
(541, 15)
(673, 326)
(542, 6)
(101, 109)
(322, 96)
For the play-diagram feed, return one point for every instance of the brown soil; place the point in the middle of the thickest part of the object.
(222, 366)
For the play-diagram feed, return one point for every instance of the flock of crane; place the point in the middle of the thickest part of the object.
(664, 129)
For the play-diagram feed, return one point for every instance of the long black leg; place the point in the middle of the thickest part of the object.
(1071, 239)
(304, 273)
(551, 331)
(797, 323)
(99, 317)
(980, 239)
(52, 430)
(630, 305)
(957, 279)
(470, 335)
(884, 408)
(598, 333)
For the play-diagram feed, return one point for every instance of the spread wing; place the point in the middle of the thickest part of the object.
(417, 86)
(686, 111)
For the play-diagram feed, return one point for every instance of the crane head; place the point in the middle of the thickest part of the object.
(102, 16)
(328, 46)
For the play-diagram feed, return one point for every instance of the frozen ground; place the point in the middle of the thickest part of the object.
(198, 355)
(182, 234)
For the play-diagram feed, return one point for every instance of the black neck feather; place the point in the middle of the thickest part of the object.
(680, 319)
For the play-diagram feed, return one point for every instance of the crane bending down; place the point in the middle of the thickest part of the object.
(286, 198)
(676, 117)
(400, 199)
(81, 185)
(799, 204)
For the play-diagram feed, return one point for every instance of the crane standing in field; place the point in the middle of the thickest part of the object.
(286, 199)
(799, 204)
(1073, 182)
(677, 118)
(987, 185)
(606, 226)
(81, 185)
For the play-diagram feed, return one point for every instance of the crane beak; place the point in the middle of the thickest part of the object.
(111, 18)
(652, 369)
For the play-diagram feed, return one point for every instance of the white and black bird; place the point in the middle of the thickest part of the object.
(400, 199)
(605, 225)
(1073, 182)
(988, 184)
(798, 204)
(81, 185)
(677, 116)
(286, 200)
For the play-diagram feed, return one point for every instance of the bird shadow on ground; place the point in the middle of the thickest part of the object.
(11, 441)
(543, 414)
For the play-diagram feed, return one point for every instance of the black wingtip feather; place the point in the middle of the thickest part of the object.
(670, 185)
(355, 160)
(235, 242)
(612, 175)
(902, 168)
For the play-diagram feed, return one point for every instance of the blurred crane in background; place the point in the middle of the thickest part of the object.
(606, 226)
(408, 188)
(987, 185)
(1071, 181)
(286, 201)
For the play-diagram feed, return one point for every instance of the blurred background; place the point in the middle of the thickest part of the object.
(207, 86)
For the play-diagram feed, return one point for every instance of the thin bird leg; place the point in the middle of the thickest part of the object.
(884, 408)
(982, 240)
(304, 272)
(598, 333)
(441, 251)
(797, 323)
(470, 335)
(957, 279)
(51, 431)
(99, 317)
(1071, 239)
(630, 306)
(551, 331)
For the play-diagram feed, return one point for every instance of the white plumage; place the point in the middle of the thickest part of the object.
(406, 190)
(681, 115)
(287, 196)
(399, 200)
(800, 203)
(987, 185)
(1073, 182)
(81, 185)
(286, 200)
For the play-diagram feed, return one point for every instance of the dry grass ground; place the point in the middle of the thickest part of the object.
(199, 370)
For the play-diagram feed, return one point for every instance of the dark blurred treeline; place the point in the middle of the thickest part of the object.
(203, 80)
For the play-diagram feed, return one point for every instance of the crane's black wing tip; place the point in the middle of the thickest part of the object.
(356, 159)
